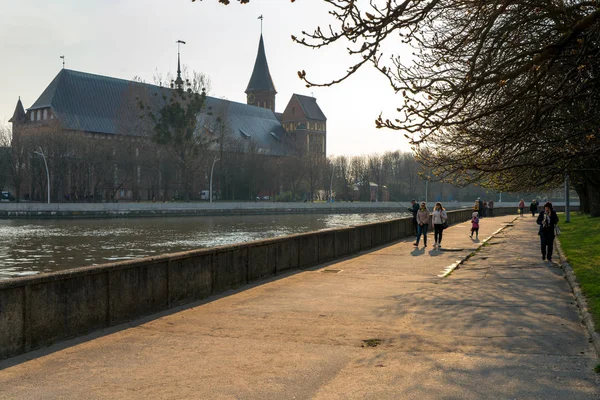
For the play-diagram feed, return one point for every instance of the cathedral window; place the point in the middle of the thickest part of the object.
(32, 115)
(45, 113)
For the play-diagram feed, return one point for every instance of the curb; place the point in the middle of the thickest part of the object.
(460, 262)
(580, 297)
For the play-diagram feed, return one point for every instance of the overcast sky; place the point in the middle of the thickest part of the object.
(125, 38)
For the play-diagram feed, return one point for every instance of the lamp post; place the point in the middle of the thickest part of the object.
(567, 200)
(331, 183)
(427, 185)
(41, 153)
(210, 196)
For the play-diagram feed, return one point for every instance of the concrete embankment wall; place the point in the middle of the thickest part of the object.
(122, 210)
(39, 310)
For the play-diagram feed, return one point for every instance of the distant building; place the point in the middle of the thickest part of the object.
(102, 107)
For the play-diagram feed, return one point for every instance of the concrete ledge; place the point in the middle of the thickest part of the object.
(230, 269)
(38, 310)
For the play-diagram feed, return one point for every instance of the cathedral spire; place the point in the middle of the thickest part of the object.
(19, 114)
(261, 90)
(179, 82)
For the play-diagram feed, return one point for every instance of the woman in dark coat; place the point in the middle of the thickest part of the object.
(547, 220)
(533, 207)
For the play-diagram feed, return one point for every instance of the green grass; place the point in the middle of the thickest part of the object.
(580, 240)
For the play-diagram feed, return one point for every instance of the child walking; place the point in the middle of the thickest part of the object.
(475, 225)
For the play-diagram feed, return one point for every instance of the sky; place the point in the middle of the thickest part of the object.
(128, 38)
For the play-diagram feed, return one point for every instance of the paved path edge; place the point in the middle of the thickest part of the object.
(580, 298)
(460, 262)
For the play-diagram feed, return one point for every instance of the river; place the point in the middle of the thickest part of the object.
(29, 247)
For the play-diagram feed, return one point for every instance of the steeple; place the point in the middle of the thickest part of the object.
(261, 90)
(178, 82)
(19, 115)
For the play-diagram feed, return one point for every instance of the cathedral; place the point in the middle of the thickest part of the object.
(101, 107)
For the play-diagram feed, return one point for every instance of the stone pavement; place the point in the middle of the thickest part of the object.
(385, 324)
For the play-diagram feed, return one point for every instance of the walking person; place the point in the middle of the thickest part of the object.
(475, 226)
(422, 224)
(491, 208)
(533, 207)
(485, 206)
(547, 220)
(521, 207)
(414, 209)
(438, 217)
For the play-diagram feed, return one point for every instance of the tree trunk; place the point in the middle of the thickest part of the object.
(589, 196)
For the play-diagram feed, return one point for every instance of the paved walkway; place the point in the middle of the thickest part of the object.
(504, 325)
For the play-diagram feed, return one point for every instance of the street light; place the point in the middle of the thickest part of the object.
(426, 188)
(567, 200)
(331, 183)
(41, 153)
(210, 196)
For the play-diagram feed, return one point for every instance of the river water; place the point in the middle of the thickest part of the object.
(29, 247)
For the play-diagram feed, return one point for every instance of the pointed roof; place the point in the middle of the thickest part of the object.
(310, 107)
(178, 81)
(261, 80)
(19, 114)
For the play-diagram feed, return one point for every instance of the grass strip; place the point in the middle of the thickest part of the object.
(580, 240)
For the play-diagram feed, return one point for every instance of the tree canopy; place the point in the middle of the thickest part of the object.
(501, 92)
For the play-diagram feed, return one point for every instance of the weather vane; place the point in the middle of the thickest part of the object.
(63, 58)
(261, 21)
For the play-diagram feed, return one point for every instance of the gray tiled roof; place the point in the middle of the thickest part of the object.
(246, 124)
(311, 108)
(261, 80)
(101, 104)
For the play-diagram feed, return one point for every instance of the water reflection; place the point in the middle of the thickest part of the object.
(30, 247)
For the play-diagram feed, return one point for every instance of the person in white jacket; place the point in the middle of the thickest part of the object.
(438, 217)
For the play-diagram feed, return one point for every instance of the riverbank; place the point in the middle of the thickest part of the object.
(387, 323)
(124, 210)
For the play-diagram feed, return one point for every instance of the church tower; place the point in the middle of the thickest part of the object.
(261, 90)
